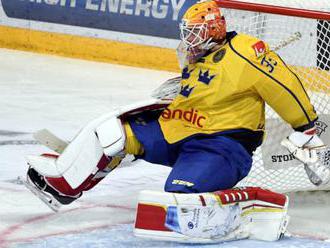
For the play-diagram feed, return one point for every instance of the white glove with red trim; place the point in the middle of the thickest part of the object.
(304, 145)
(312, 152)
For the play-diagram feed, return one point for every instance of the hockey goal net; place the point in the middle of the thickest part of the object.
(299, 31)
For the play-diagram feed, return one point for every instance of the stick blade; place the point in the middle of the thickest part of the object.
(48, 139)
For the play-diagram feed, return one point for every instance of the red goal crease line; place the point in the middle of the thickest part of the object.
(288, 11)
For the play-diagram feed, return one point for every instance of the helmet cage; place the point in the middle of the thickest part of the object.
(193, 35)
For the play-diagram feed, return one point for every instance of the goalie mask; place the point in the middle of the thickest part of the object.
(201, 28)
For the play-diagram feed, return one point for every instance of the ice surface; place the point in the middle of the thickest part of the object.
(39, 91)
(121, 236)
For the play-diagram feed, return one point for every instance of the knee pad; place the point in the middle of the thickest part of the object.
(111, 135)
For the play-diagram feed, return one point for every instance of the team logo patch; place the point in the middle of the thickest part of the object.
(191, 116)
(219, 55)
(259, 48)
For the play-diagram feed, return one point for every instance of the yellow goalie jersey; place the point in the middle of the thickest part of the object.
(227, 90)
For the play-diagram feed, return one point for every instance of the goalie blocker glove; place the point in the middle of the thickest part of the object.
(304, 145)
(308, 148)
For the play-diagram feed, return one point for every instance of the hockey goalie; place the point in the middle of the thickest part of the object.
(207, 134)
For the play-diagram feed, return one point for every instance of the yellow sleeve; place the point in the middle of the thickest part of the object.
(282, 89)
(274, 81)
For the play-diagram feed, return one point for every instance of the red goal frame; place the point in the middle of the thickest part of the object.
(272, 9)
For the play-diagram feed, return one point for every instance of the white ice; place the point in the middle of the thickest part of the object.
(40, 91)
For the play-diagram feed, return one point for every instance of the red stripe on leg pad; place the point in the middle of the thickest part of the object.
(151, 217)
(62, 186)
(251, 193)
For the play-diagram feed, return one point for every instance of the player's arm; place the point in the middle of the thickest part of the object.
(283, 90)
(277, 84)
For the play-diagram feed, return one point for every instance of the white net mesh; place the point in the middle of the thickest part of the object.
(304, 44)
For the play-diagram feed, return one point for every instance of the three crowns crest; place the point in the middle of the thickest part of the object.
(186, 90)
(186, 73)
(205, 77)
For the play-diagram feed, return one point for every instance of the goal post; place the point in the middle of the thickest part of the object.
(299, 31)
(274, 9)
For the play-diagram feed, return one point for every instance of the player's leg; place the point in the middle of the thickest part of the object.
(208, 164)
(148, 132)
(94, 153)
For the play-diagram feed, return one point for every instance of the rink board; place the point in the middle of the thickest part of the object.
(140, 33)
(88, 48)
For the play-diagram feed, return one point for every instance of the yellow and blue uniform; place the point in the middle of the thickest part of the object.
(228, 88)
(221, 105)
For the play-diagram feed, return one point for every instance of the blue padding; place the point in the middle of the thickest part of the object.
(171, 221)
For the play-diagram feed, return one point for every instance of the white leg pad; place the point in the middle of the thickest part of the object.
(79, 159)
(192, 220)
(267, 223)
(210, 218)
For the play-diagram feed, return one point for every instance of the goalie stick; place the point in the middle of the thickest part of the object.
(50, 140)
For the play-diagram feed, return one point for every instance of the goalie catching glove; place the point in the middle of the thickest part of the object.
(308, 148)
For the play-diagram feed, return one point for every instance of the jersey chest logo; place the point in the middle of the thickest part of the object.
(203, 77)
(219, 56)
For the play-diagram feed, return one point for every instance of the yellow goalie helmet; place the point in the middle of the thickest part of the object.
(202, 27)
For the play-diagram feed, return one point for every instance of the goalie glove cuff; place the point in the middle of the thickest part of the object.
(306, 139)
(304, 146)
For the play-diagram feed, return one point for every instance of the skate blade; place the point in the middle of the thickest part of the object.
(49, 200)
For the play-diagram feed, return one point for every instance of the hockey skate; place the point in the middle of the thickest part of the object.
(37, 184)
